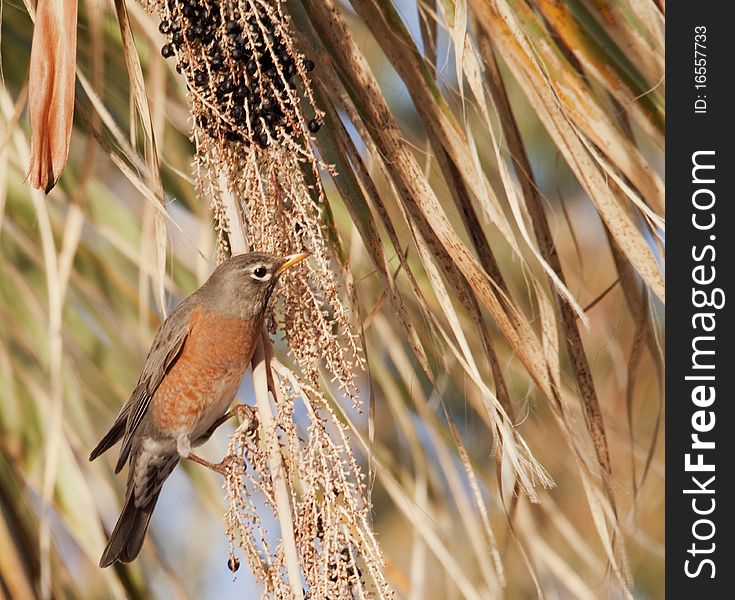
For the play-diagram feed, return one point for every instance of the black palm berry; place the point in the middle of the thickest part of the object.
(261, 69)
(236, 53)
(233, 28)
(266, 62)
(233, 564)
(164, 27)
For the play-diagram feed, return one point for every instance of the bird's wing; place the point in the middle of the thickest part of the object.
(165, 349)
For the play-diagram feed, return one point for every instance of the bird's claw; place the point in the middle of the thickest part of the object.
(246, 415)
(230, 464)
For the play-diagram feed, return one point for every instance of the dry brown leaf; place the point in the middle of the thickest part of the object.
(51, 93)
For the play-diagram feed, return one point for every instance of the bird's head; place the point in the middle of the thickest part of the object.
(243, 284)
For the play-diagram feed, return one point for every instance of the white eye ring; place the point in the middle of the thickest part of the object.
(260, 273)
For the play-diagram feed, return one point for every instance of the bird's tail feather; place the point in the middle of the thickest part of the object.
(127, 538)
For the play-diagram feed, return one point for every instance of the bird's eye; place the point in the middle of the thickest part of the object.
(260, 272)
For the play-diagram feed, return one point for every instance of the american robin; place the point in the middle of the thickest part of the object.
(190, 377)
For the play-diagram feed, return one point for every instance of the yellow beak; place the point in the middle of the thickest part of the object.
(291, 260)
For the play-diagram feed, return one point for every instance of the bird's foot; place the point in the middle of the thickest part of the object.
(246, 415)
(231, 464)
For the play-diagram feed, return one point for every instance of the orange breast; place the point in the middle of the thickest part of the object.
(201, 384)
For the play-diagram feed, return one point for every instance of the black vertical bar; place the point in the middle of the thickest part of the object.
(700, 250)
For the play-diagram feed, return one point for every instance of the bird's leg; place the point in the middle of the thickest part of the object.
(245, 414)
(224, 467)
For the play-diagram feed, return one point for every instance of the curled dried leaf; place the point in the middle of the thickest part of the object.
(51, 89)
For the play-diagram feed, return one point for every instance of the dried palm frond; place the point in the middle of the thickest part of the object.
(51, 93)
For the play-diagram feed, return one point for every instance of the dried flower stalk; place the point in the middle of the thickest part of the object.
(340, 557)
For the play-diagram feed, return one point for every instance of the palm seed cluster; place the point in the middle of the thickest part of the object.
(241, 67)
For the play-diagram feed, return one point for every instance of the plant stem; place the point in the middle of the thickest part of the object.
(261, 365)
